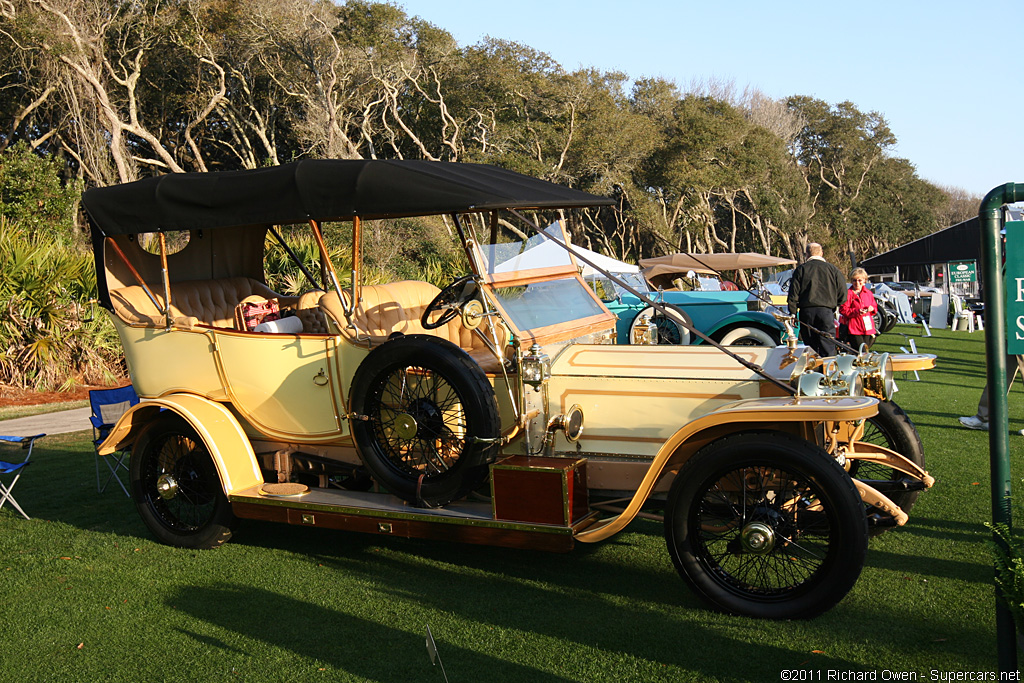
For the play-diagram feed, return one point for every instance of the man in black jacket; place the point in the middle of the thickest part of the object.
(816, 290)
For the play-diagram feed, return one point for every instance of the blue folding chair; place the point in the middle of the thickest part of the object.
(108, 405)
(27, 442)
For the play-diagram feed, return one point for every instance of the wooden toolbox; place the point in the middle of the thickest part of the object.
(542, 490)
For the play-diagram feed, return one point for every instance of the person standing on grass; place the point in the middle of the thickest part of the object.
(980, 419)
(1013, 363)
(857, 314)
(817, 289)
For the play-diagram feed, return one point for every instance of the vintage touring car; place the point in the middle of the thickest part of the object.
(736, 317)
(497, 410)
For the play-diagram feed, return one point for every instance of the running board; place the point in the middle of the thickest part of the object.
(383, 514)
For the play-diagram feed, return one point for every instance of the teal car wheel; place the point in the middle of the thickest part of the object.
(749, 336)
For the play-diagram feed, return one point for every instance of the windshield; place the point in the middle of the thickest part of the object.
(534, 252)
(543, 304)
(534, 280)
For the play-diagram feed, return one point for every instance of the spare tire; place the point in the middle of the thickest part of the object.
(425, 419)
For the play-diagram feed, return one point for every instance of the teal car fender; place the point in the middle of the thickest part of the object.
(714, 314)
(746, 319)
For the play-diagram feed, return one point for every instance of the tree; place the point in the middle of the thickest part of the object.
(837, 151)
(33, 197)
(896, 207)
(959, 206)
(720, 181)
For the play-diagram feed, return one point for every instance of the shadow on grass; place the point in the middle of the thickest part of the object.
(357, 646)
(374, 650)
(593, 568)
(910, 565)
(60, 486)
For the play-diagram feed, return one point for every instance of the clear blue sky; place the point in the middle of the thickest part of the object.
(946, 75)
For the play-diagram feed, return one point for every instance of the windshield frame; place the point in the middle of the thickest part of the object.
(491, 282)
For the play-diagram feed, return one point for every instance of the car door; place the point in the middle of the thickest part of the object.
(283, 384)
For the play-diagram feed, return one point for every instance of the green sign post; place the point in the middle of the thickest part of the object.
(1015, 287)
(997, 336)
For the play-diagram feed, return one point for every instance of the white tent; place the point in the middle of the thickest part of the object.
(601, 261)
(549, 253)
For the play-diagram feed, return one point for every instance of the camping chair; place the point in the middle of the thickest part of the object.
(962, 312)
(27, 442)
(108, 405)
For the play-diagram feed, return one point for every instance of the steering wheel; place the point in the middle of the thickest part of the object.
(449, 300)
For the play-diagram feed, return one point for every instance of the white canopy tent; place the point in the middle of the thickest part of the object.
(548, 253)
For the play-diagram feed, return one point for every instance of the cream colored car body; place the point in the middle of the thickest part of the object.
(646, 408)
(498, 410)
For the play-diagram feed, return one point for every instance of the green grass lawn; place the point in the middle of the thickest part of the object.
(89, 596)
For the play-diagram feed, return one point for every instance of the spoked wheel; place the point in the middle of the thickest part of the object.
(766, 525)
(673, 326)
(176, 487)
(426, 419)
(893, 429)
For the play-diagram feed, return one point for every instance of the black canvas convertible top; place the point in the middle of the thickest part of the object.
(321, 189)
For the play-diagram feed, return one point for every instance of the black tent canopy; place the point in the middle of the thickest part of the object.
(956, 243)
(960, 242)
(321, 189)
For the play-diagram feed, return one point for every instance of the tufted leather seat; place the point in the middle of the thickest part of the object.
(398, 307)
(314, 321)
(211, 302)
(383, 310)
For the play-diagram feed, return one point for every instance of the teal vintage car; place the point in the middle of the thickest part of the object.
(691, 285)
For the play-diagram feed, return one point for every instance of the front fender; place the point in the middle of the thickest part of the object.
(221, 433)
(744, 319)
(751, 412)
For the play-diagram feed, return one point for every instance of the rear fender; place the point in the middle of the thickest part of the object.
(221, 433)
(739, 416)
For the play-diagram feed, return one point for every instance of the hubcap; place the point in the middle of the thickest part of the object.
(757, 538)
(167, 486)
(405, 426)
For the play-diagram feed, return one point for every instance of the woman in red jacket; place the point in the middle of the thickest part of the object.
(857, 315)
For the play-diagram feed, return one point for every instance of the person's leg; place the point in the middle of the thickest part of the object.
(807, 336)
(855, 340)
(1013, 365)
(823, 323)
(982, 413)
(828, 330)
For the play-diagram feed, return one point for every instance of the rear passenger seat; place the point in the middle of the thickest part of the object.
(209, 302)
(383, 310)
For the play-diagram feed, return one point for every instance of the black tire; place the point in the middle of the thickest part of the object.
(427, 422)
(893, 429)
(673, 328)
(885, 317)
(776, 487)
(176, 488)
(749, 335)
